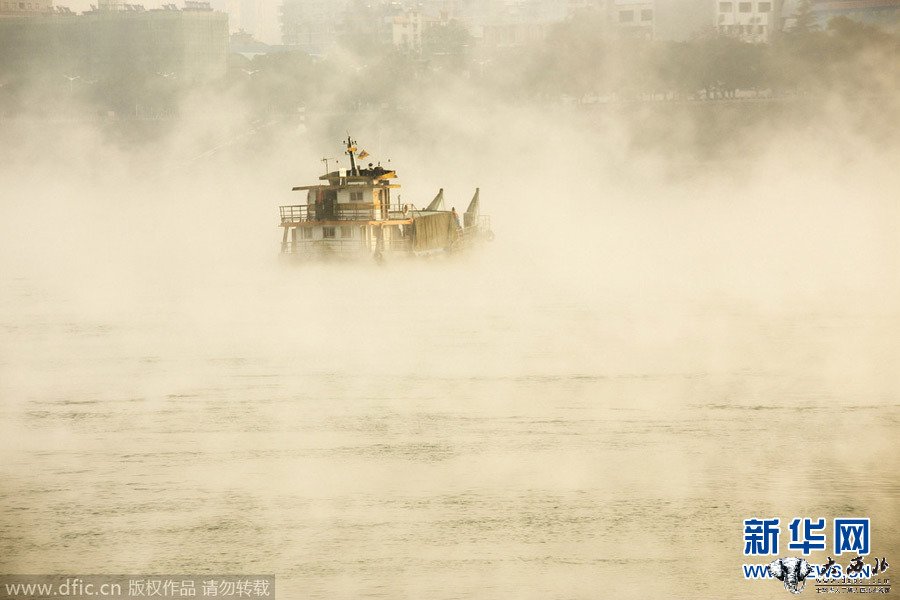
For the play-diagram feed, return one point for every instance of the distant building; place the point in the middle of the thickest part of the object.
(682, 20)
(513, 35)
(629, 18)
(257, 17)
(311, 25)
(518, 23)
(407, 28)
(573, 7)
(26, 8)
(244, 44)
(635, 18)
(754, 21)
(883, 13)
(444, 9)
(117, 41)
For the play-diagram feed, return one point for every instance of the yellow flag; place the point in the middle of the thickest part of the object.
(363, 154)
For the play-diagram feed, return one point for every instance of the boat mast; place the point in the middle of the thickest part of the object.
(350, 150)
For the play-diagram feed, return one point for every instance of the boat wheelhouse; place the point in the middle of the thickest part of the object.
(352, 214)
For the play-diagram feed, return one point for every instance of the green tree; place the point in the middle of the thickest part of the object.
(450, 39)
(575, 59)
(804, 18)
(361, 31)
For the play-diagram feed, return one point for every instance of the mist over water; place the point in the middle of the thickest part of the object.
(660, 343)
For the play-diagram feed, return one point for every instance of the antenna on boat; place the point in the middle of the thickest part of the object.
(350, 150)
(325, 160)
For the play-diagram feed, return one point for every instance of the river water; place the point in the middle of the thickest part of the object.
(589, 408)
(433, 431)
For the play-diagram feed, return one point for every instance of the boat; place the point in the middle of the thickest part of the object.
(351, 214)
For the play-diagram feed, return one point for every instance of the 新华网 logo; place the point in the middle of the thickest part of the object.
(848, 536)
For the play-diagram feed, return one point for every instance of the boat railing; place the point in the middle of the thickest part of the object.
(309, 213)
(295, 213)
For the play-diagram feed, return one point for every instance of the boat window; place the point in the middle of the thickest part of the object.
(306, 233)
(328, 232)
(346, 232)
(356, 196)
